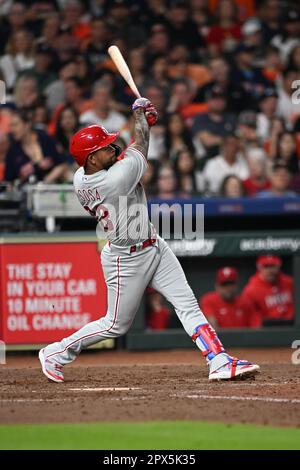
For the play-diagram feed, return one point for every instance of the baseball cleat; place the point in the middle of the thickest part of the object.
(51, 369)
(235, 368)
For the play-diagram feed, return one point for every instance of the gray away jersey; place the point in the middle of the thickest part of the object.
(117, 200)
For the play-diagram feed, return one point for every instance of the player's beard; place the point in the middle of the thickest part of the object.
(111, 161)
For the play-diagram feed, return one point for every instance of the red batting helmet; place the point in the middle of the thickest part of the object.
(88, 140)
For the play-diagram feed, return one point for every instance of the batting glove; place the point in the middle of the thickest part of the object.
(151, 115)
(149, 110)
(140, 103)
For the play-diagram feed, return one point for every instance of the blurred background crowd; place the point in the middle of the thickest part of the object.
(224, 76)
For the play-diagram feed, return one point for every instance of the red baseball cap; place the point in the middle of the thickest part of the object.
(268, 260)
(226, 274)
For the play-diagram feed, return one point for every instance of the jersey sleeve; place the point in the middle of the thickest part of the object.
(126, 173)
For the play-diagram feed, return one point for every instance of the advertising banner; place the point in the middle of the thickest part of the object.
(49, 290)
(239, 244)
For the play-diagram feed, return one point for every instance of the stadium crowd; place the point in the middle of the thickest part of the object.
(224, 76)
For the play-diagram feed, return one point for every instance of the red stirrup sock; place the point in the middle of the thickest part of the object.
(207, 341)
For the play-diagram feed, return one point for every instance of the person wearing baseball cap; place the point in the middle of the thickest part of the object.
(224, 307)
(269, 291)
(252, 33)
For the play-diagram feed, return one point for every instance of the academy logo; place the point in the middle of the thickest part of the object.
(270, 244)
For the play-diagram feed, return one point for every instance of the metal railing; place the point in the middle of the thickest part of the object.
(53, 200)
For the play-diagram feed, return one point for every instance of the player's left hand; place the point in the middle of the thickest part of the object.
(140, 103)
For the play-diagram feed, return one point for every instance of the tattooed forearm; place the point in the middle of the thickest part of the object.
(141, 132)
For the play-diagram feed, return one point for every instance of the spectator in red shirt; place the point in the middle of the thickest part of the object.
(269, 291)
(157, 314)
(224, 36)
(223, 307)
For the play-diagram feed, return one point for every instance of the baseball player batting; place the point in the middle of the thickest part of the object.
(134, 256)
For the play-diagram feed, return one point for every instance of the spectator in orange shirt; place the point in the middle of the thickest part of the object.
(269, 291)
(224, 308)
(157, 314)
(182, 64)
(183, 93)
(74, 19)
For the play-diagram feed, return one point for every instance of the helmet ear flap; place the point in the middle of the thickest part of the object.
(118, 149)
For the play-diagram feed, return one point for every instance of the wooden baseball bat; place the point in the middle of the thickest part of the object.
(123, 68)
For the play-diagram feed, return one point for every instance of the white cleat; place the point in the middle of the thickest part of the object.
(51, 369)
(234, 368)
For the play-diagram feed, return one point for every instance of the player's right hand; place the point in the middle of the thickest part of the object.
(151, 115)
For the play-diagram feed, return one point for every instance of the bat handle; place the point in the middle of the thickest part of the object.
(136, 92)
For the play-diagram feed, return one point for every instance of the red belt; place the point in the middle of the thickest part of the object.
(145, 244)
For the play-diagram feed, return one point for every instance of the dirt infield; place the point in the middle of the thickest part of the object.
(111, 386)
